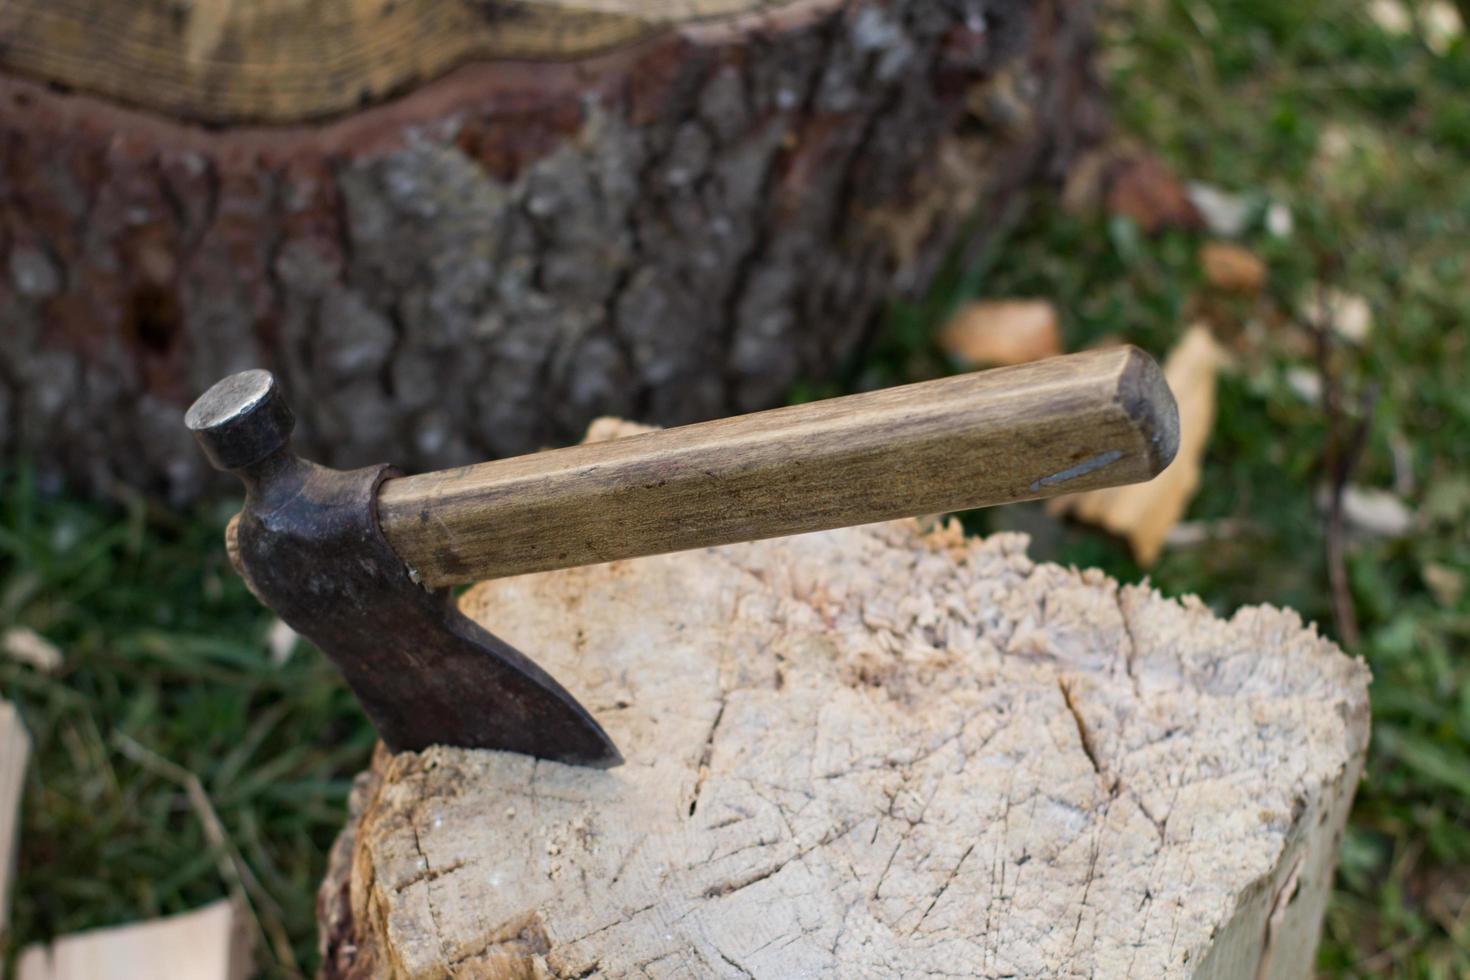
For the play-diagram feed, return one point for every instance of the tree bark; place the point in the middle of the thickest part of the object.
(872, 752)
(463, 228)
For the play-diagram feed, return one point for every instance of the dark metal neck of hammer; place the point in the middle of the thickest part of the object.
(272, 481)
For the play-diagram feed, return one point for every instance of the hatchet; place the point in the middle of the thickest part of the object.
(361, 561)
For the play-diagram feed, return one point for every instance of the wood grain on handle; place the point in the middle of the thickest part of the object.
(1079, 422)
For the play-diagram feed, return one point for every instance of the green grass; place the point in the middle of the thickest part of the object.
(165, 649)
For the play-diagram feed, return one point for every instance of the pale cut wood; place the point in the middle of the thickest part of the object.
(1088, 420)
(1002, 331)
(1232, 268)
(873, 752)
(1144, 514)
(15, 749)
(280, 61)
(211, 943)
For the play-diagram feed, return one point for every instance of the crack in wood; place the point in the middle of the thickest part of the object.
(949, 880)
(708, 751)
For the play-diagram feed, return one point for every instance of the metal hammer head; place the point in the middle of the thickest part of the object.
(241, 420)
(309, 544)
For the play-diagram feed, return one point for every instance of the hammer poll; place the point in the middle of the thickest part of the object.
(360, 562)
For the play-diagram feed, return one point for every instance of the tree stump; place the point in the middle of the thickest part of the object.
(462, 228)
(874, 752)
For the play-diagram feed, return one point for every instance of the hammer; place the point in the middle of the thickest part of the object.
(361, 561)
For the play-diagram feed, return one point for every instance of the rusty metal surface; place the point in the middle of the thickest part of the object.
(424, 672)
(309, 544)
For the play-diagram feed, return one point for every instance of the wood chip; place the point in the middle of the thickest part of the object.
(15, 749)
(1143, 513)
(1442, 24)
(25, 645)
(211, 943)
(1223, 213)
(1002, 332)
(1347, 314)
(281, 641)
(1305, 383)
(1447, 584)
(1376, 512)
(1082, 194)
(607, 428)
(1391, 16)
(1189, 534)
(1232, 268)
(1149, 193)
(1279, 221)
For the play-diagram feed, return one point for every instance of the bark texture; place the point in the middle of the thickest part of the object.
(674, 228)
(874, 752)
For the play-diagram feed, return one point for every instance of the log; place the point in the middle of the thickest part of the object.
(460, 229)
(211, 943)
(873, 752)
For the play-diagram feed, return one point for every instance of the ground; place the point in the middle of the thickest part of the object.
(1355, 124)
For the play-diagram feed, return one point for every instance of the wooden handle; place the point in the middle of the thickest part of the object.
(1079, 422)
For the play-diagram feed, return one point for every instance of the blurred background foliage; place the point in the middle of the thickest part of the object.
(1352, 120)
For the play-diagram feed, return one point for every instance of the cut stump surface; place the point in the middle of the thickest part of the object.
(875, 752)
